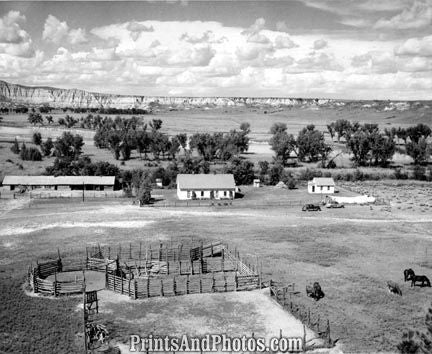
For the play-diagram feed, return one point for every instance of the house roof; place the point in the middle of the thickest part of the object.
(59, 180)
(202, 181)
(323, 181)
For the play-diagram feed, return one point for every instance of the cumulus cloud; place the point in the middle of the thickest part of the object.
(320, 44)
(284, 42)
(416, 47)
(206, 37)
(418, 15)
(258, 25)
(57, 31)
(13, 39)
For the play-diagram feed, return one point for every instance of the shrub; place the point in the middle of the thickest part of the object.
(399, 174)
(419, 173)
(37, 138)
(30, 154)
(15, 147)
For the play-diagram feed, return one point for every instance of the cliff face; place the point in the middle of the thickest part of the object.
(78, 98)
(59, 98)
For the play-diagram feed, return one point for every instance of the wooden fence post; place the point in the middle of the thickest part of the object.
(55, 283)
(161, 288)
(130, 250)
(148, 287)
(304, 338)
(187, 283)
(106, 277)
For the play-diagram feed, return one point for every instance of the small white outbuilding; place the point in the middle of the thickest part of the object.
(321, 185)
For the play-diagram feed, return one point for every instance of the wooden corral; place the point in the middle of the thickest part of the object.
(171, 271)
(38, 279)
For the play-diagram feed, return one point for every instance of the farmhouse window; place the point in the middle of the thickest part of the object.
(328, 188)
(321, 188)
(224, 193)
(202, 193)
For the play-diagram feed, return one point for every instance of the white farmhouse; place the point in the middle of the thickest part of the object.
(321, 185)
(201, 186)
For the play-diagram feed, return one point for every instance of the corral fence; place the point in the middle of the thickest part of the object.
(171, 271)
(37, 278)
(284, 296)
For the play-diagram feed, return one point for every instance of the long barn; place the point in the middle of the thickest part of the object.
(61, 182)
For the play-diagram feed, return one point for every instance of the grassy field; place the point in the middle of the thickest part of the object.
(352, 252)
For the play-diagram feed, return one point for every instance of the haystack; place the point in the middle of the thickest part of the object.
(281, 185)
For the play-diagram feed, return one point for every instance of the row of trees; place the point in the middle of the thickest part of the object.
(371, 146)
(308, 146)
(122, 136)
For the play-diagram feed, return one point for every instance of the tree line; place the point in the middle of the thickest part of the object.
(373, 147)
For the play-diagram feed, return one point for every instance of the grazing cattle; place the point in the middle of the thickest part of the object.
(408, 274)
(394, 288)
(315, 291)
(423, 279)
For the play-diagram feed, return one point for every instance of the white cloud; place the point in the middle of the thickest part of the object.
(319, 44)
(416, 47)
(258, 25)
(284, 42)
(13, 39)
(57, 31)
(418, 15)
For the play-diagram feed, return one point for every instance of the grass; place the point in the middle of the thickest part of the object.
(352, 252)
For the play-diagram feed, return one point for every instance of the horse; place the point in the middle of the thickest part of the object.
(420, 278)
(408, 274)
(394, 288)
(315, 291)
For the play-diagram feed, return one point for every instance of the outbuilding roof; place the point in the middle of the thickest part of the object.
(203, 182)
(59, 180)
(323, 181)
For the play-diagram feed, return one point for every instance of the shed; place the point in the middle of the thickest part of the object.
(61, 182)
(202, 186)
(256, 183)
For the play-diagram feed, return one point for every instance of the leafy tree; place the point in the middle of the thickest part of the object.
(278, 128)
(15, 147)
(182, 138)
(283, 144)
(68, 145)
(311, 144)
(156, 124)
(275, 173)
(174, 147)
(35, 118)
(382, 148)
(243, 171)
(417, 132)
(49, 119)
(144, 192)
(359, 145)
(70, 121)
(342, 128)
(37, 138)
(419, 151)
(47, 147)
(331, 129)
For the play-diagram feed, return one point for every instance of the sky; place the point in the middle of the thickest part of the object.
(346, 49)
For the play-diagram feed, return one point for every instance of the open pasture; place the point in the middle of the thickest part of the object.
(352, 252)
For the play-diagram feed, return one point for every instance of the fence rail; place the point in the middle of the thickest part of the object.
(283, 295)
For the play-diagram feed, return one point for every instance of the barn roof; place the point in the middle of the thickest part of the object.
(59, 180)
(202, 181)
(323, 181)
